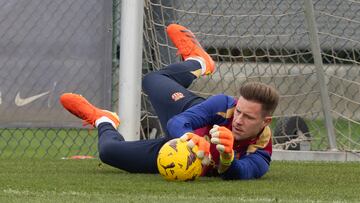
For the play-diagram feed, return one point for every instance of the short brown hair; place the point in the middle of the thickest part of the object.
(264, 94)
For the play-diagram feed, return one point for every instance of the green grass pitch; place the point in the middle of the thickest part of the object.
(56, 180)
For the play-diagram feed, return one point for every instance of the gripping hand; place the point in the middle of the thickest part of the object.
(203, 151)
(224, 140)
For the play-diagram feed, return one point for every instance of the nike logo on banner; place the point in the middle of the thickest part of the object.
(24, 101)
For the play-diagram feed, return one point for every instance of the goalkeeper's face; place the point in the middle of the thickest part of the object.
(248, 120)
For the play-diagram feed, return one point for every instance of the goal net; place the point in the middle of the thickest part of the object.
(270, 41)
(308, 49)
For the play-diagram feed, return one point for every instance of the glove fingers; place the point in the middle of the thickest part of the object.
(193, 141)
(224, 141)
(225, 135)
(220, 132)
(186, 137)
(222, 137)
(191, 144)
(204, 146)
(215, 140)
(224, 148)
(214, 130)
(206, 160)
(190, 139)
(200, 154)
(220, 148)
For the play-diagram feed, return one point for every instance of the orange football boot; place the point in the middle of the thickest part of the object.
(81, 108)
(189, 47)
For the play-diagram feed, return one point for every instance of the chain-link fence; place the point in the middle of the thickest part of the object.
(51, 47)
(48, 48)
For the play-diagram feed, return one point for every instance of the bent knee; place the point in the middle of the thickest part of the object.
(149, 81)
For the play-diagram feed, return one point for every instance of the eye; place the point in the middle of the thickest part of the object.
(250, 117)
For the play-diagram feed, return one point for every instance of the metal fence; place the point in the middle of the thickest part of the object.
(48, 48)
(51, 47)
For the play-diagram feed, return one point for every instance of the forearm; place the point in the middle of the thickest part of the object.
(250, 166)
(198, 116)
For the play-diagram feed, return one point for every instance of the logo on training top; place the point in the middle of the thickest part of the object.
(177, 95)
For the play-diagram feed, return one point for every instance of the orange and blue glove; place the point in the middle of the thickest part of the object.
(202, 144)
(224, 140)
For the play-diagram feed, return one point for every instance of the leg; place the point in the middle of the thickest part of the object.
(132, 156)
(167, 91)
(167, 88)
(137, 156)
(141, 156)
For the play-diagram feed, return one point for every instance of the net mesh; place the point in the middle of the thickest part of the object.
(250, 40)
(268, 41)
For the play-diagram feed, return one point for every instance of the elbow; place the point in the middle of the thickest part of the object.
(171, 126)
(177, 126)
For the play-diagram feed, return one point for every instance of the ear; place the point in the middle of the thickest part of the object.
(267, 120)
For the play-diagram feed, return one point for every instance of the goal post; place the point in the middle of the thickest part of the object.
(130, 68)
(316, 52)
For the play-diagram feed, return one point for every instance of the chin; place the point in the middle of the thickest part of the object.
(237, 137)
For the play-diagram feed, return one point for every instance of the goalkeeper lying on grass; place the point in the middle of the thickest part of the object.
(239, 146)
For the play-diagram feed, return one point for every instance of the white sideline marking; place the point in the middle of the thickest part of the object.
(42, 193)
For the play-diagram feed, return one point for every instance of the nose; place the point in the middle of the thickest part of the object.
(239, 119)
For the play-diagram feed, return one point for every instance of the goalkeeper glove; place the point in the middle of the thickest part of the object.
(203, 145)
(224, 140)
